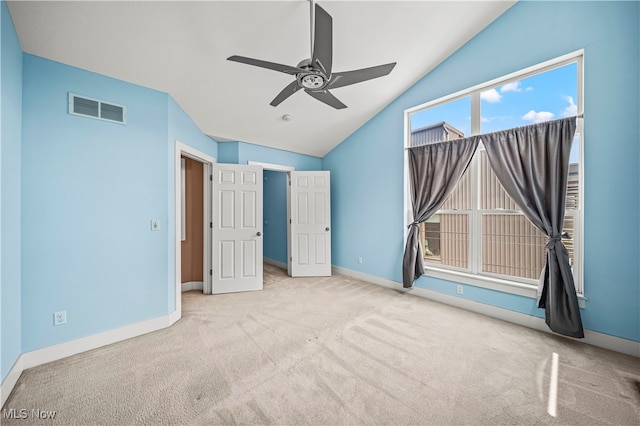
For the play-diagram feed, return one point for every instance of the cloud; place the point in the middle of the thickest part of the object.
(511, 87)
(492, 96)
(484, 119)
(538, 117)
(528, 89)
(570, 110)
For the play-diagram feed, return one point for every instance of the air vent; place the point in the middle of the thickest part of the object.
(94, 108)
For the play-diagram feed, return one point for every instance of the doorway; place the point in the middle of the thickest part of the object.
(275, 213)
(192, 224)
(298, 229)
(181, 150)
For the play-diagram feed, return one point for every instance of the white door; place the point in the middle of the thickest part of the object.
(237, 228)
(309, 211)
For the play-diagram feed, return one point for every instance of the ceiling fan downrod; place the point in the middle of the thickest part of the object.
(312, 13)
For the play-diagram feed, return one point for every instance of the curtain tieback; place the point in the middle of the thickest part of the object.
(553, 239)
(414, 223)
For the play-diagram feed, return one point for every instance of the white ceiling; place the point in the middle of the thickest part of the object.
(181, 48)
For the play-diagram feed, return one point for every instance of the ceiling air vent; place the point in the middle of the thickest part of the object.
(95, 108)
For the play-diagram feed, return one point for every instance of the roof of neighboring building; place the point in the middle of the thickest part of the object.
(433, 133)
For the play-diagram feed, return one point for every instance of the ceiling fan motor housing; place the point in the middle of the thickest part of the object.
(312, 80)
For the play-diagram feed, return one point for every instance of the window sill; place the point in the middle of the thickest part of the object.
(491, 283)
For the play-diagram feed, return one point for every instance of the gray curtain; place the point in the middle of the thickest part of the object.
(532, 164)
(434, 171)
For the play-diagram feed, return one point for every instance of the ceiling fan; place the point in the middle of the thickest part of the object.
(314, 75)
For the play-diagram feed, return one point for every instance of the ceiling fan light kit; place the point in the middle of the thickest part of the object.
(314, 75)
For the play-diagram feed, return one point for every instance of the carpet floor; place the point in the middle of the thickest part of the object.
(331, 351)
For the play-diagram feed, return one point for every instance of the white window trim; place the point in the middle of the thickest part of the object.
(485, 280)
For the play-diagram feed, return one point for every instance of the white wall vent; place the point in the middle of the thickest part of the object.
(95, 108)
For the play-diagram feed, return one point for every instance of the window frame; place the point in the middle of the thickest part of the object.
(474, 274)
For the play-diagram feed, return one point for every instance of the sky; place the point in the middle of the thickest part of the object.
(543, 97)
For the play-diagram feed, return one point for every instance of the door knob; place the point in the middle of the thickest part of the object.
(259, 233)
(326, 229)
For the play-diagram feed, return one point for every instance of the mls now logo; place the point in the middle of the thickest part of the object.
(23, 413)
(14, 413)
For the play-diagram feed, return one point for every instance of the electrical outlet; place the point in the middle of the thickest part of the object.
(459, 289)
(60, 318)
(360, 260)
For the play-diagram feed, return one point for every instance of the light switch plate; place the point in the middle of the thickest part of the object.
(155, 225)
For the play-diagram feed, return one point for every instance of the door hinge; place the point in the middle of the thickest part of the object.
(210, 271)
(291, 259)
(211, 225)
(289, 182)
(211, 178)
(289, 220)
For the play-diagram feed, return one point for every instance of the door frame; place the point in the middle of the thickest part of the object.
(272, 167)
(180, 150)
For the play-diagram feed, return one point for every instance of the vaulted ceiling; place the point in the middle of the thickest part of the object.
(181, 47)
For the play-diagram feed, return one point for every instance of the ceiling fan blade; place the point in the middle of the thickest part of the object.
(322, 54)
(285, 93)
(265, 64)
(341, 79)
(327, 98)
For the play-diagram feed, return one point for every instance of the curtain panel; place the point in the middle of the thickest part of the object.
(532, 164)
(434, 172)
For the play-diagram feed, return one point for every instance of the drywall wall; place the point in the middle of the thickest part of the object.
(10, 186)
(90, 191)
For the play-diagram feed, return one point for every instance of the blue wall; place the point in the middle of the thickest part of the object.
(183, 129)
(90, 190)
(228, 152)
(10, 163)
(367, 168)
(242, 152)
(249, 152)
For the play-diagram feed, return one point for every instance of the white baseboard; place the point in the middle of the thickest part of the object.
(277, 263)
(192, 285)
(10, 380)
(62, 350)
(594, 338)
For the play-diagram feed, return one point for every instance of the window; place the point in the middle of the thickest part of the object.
(480, 236)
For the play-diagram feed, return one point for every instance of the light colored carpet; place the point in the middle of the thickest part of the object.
(332, 351)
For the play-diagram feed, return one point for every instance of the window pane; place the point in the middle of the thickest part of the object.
(460, 198)
(448, 121)
(569, 228)
(445, 239)
(543, 97)
(492, 195)
(573, 184)
(511, 245)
